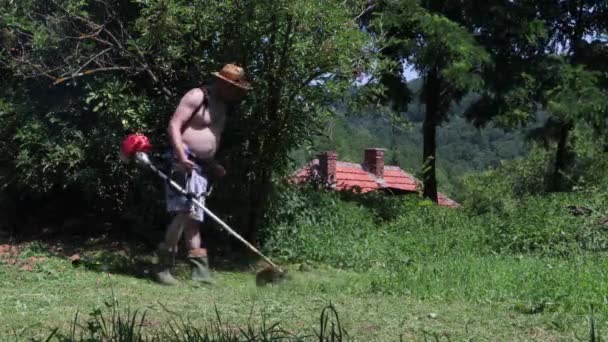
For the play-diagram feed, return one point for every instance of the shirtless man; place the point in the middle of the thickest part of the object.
(195, 130)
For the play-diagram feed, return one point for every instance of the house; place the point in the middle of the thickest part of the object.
(371, 175)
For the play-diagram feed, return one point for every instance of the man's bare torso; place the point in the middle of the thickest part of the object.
(201, 135)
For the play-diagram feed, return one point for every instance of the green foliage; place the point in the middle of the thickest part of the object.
(433, 38)
(520, 178)
(310, 225)
(300, 223)
(576, 96)
(315, 226)
(544, 63)
(589, 170)
(89, 72)
(498, 189)
(552, 225)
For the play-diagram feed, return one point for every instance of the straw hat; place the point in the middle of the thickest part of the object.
(234, 75)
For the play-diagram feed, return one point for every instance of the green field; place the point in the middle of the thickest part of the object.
(393, 269)
(445, 298)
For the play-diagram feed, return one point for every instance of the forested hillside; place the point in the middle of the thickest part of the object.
(463, 148)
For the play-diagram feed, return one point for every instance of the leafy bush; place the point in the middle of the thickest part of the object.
(65, 103)
(319, 226)
(496, 190)
(310, 224)
(557, 224)
(383, 207)
(589, 170)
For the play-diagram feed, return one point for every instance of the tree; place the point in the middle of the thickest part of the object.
(91, 71)
(542, 63)
(290, 44)
(574, 95)
(428, 36)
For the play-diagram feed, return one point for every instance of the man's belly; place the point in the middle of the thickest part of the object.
(201, 142)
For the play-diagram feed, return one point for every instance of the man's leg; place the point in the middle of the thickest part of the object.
(168, 249)
(192, 234)
(197, 256)
(175, 229)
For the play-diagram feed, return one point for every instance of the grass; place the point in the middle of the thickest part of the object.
(416, 272)
(472, 298)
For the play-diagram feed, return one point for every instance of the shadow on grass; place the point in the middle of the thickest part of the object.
(116, 253)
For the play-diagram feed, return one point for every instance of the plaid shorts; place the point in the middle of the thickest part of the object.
(195, 183)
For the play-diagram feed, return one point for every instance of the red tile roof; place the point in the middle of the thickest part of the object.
(445, 201)
(351, 176)
(395, 178)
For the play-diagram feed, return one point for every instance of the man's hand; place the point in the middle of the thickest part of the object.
(186, 164)
(217, 170)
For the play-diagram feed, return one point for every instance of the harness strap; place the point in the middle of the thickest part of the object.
(203, 103)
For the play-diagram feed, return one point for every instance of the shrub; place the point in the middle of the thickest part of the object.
(310, 224)
(319, 226)
(556, 224)
(496, 190)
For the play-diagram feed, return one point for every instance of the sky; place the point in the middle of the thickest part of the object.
(408, 71)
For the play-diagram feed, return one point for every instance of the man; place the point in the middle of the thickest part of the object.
(194, 131)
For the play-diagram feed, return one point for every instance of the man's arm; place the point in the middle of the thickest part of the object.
(187, 105)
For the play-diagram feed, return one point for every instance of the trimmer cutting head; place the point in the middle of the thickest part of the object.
(270, 275)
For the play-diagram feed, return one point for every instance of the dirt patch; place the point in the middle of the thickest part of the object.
(7, 250)
(9, 254)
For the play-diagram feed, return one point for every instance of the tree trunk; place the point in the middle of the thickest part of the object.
(259, 198)
(429, 130)
(394, 159)
(561, 157)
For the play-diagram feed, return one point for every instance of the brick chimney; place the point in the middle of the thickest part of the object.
(327, 166)
(374, 161)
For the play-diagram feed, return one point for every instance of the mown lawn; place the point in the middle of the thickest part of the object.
(472, 298)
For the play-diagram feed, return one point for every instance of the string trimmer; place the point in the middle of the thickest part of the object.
(137, 146)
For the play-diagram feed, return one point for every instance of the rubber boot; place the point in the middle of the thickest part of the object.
(200, 266)
(166, 260)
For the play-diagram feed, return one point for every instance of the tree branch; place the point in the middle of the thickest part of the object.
(115, 42)
(89, 61)
(40, 70)
(148, 70)
(365, 11)
(89, 72)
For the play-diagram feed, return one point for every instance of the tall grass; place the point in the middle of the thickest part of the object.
(323, 227)
(535, 253)
(126, 325)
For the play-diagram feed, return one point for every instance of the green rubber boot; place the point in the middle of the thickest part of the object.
(166, 260)
(200, 266)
